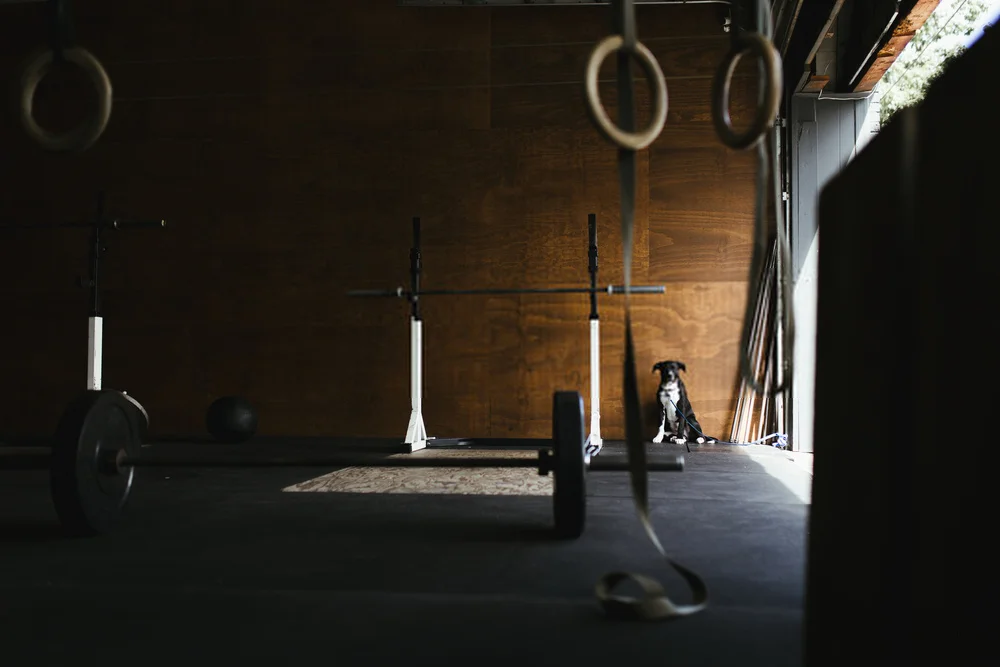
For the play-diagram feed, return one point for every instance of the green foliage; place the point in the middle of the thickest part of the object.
(934, 46)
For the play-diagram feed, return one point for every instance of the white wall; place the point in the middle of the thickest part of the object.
(825, 135)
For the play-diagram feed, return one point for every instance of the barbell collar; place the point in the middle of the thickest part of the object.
(139, 224)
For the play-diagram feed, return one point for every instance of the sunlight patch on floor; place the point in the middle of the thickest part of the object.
(459, 481)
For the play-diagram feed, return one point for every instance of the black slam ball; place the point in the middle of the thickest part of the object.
(231, 419)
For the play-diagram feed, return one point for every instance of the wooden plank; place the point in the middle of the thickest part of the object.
(297, 119)
(165, 30)
(815, 84)
(563, 105)
(561, 63)
(290, 163)
(553, 356)
(468, 343)
(260, 76)
(304, 364)
(374, 25)
(906, 28)
(548, 25)
(701, 214)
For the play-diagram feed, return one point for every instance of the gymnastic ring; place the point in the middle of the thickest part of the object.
(765, 114)
(84, 135)
(635, 141)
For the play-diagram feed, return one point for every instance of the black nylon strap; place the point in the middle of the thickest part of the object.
(61, 33)
(654, 603)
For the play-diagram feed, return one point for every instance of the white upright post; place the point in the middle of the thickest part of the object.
(95, 352)
(595, 384)
(594, 442)
(416, 434)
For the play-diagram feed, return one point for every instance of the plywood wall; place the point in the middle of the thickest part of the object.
(288, 144)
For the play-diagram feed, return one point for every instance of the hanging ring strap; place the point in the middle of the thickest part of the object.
(760, 46)
(635, 141)
(767, 109)
(654, 603)
(84, 135)
(62, 48)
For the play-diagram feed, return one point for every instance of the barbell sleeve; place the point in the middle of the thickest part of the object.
(399, 292)
(636, 289)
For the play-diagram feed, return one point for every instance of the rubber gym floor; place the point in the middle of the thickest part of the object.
(219, 566)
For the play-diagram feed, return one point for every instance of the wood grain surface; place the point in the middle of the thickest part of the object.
(288, 144)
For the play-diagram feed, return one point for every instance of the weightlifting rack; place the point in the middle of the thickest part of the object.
(416, 437)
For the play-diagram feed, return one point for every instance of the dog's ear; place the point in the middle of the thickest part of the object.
(656, 366)
(680, 365)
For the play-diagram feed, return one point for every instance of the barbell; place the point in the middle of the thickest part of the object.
(98, 446)
(115, 223)
(610, 289)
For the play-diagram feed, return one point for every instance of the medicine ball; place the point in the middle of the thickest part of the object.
(231, 419)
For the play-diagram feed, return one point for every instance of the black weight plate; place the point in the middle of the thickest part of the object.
(570, 497)
(142, 417)
(89, 497)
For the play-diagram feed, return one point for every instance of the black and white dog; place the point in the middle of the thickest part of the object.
(676, 414)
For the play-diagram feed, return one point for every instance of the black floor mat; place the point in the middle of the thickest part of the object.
(221, 565)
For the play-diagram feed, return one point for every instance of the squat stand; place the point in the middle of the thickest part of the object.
(95, 320)
(416, 433)
(594, 441)
(95, 327)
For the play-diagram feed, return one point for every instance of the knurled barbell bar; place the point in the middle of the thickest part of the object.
(610, 289)
(97, 447)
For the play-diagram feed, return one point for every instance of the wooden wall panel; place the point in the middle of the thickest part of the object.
(554, 25)
(701, 228)
(288, 144)
(559, 63)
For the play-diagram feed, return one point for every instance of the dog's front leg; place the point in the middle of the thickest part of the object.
(662, 433)
(695, 428)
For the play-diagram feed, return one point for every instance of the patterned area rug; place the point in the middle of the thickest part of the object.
(461, 481)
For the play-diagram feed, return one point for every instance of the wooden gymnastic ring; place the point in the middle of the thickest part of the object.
(767, 112)
(634, 141)
(84, 135)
